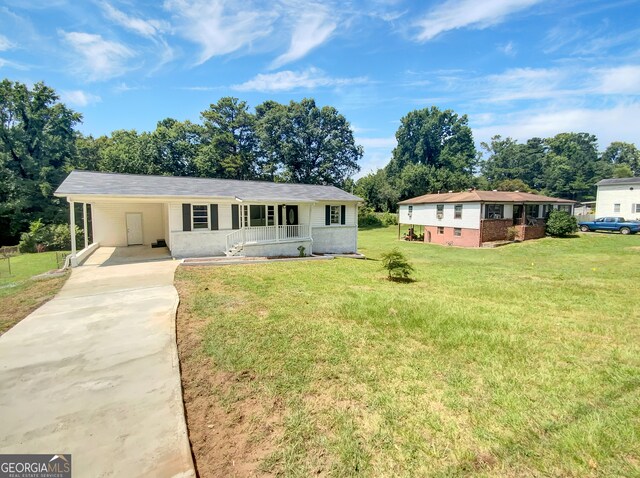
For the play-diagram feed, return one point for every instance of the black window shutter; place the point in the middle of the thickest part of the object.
(214, 216)
(186, 217)
(327, 215)
(343, 214)
(235, 216)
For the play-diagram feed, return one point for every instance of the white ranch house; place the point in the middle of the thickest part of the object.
(199, 217)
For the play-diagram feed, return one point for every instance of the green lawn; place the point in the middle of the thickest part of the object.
(18, 294)
(517, 361)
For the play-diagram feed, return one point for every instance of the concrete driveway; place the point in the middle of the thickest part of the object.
(94, 372)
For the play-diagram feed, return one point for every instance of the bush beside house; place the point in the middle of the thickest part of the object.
(560, 224)
(47, 237)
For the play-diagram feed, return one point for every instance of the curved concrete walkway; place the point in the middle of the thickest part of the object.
(94, 372)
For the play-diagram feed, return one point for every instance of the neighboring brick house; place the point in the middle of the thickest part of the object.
(471, 218)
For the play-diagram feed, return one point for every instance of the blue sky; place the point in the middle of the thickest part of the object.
(518, 68)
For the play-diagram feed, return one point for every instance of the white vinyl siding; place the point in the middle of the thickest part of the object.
(110, 223)
(318, 214)
(426, 215)
(626, 195)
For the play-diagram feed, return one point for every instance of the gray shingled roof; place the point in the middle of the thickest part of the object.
(608, 182)
(89, 183)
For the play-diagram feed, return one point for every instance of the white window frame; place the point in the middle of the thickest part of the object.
(440, 230)
(334, 213)
(193, 222)
(459, 229)
(637, 208)
(455, 211)
(616, 207)
(410, 211)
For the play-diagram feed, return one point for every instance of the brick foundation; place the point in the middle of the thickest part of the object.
(526, 233)
(495, 229)
(468, 237)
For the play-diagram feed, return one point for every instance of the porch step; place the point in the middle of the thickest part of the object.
(234, 251)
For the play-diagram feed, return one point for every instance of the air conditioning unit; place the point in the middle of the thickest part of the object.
(440, 215)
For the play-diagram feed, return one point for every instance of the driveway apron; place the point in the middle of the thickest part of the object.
(94, 372)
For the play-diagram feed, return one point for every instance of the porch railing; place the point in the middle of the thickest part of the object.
(257, 234)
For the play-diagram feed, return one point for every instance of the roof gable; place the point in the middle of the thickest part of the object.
(89, 183)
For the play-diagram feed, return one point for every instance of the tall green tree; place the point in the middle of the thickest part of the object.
(509, 160)
(229, 145)
(377, 191)
(438, 148)
(306, 144)
(126, 151)
(620, 153)
(37, 141)
(87, 154)
(174, 146)
(434, 138)
(572, 166)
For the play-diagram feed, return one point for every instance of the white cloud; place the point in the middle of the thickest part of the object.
(146, 28)
(524, 83)
(79, 97)
(310, 78)
(616, 123)
(454, 14)
(623, 80)
(5, 43)
(312, 29)
(218, 26)
(508, 49)
(99, 59)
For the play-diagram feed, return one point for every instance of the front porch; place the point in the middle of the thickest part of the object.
(519, 222)
(252, 237)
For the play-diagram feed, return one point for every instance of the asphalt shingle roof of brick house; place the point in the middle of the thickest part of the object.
(89, 183)
(484, 196)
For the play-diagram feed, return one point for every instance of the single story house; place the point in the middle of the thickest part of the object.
(198, 217)
(471, 218)
(619, 197)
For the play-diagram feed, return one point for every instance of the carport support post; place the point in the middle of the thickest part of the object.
(86, 232)
(72, 226)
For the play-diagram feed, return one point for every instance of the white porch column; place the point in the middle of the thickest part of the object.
(84, 217)
(275, 221)
(72, 226)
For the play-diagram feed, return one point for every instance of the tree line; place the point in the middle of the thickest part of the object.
(296, 142)
(39, 145)
(435, 152)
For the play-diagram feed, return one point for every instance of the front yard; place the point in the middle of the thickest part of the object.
(517, 361)
(19, 294)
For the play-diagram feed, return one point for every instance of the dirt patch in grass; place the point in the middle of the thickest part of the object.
(19, 301)
(231, 430)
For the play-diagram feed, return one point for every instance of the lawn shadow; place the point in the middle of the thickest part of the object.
(401, 280)
(569, 236)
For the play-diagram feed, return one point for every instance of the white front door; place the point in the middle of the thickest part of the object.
(134, 228)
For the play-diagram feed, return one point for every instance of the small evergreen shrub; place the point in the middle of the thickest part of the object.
(561, 223)
(512, 233)
(397, 265)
